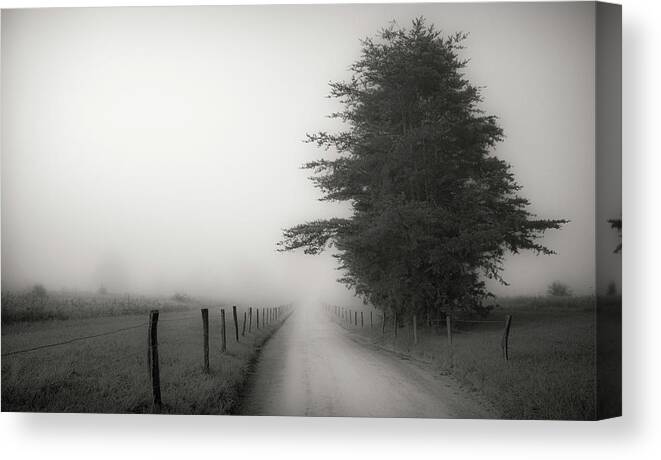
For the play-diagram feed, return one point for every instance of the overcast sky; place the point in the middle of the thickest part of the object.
(157, 150)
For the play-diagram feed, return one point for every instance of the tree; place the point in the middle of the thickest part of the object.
(434, 212)
(558, 289)
(611, 291)
(38, 291)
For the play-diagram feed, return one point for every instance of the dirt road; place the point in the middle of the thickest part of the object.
(312, 366)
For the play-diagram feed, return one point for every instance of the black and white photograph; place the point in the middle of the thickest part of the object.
(317, 210)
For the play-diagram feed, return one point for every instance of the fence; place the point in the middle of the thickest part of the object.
(179, 327)
(349, 318)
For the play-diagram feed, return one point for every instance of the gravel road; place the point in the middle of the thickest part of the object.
(312, 366)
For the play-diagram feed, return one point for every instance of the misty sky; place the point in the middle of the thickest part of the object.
(157, 150)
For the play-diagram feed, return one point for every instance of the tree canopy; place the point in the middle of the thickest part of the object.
(434, 211)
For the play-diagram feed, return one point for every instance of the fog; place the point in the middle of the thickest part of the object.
(158, 150)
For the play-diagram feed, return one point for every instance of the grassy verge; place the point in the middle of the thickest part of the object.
(109, 374)
(551, 373)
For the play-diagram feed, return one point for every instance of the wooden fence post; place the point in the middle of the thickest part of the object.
(236, 323)
(257, 309)
(383, 324)
(415, 330)
(371, 320)
(395, 323)
(249, 320)
(504, 343)
(243, 329)
(448, 323)
(355, 318)
(154, 370)
(362, 324)
(223, 331)
(205, 328)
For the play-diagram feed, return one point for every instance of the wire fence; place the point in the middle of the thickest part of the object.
(179, 331)
(349, 318)
(69, 341)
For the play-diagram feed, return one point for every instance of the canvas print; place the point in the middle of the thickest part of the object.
(401, 210)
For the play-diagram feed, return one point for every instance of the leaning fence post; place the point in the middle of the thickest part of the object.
(243, 329)
(205, 328)
(223, 331)
(152, 354)
(504, 343)
(236, 323)
(448, 322)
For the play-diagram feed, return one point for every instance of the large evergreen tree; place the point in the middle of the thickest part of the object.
(434, 211)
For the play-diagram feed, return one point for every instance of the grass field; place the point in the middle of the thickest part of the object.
(109, 374)
(551, 371)
(26, 306)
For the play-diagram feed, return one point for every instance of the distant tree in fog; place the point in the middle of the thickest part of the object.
(558, 289)
(434, 211)
(39, 291)
(612, 289)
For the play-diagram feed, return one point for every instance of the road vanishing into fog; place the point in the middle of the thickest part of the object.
(312, 366)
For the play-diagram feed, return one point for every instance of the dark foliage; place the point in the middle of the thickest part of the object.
(434, 211)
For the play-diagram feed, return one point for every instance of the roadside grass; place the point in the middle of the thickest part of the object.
(551, 371)
(109, 374)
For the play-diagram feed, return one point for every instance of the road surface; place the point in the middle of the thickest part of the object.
(314, 367)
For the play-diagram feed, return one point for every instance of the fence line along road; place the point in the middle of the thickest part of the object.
(340, 313)
(269, 316)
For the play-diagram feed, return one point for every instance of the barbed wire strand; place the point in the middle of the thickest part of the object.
(76, 339)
